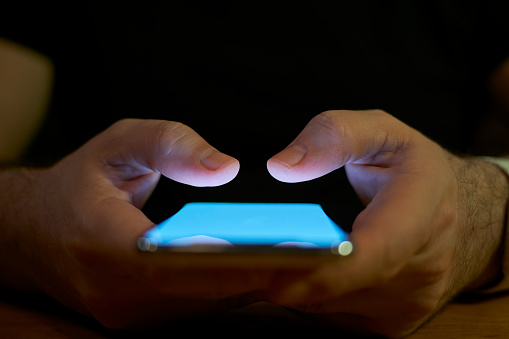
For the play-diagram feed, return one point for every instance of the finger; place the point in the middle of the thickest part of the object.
(396, 313)
(120, 302)
(386, 240)
(140, 188)
(398, 170)
(333, 139)
(117, 225)
(114, 253)
(133, 148)
(205, 282)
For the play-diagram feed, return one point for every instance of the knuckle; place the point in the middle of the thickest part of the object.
(169, 134)
(124, 125)
(309, 307)
(330, 122)
(390, 267)
(232, 302)
(379, 112)
(328, 119)
(126, 122)
(112, 135)
(171, 128)
(388, 274)
(343, 123)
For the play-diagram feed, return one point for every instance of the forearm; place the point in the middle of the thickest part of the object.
(18, 217)
(500, 263)
(485, 188)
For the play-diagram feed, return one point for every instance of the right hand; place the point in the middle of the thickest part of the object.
(87, 218)
(432, 227)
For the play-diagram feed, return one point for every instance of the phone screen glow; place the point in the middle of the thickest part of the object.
(230, 224)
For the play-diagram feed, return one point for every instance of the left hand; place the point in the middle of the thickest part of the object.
(77, 238)
(431, 228)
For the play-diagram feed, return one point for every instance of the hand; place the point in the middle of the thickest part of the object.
(431, 227)
(88, 221)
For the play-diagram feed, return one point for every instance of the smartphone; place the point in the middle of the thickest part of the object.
(269, 234)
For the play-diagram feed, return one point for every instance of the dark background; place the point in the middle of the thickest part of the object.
(249, 75)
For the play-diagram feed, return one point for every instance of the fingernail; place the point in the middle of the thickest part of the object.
(214, 160)
(291, 156)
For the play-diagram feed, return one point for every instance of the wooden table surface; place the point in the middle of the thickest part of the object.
(36, 316)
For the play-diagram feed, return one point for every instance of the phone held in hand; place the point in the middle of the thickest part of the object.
(261, 234)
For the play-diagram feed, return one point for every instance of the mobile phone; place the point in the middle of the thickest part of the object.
(271, 234)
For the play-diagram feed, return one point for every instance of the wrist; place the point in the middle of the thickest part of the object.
(18, 217)
(500, 262)
(502, 163)
(487, 220)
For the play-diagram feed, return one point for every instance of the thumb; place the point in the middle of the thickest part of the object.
(134, 148)
(335, 138)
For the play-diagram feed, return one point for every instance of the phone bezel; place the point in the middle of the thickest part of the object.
(241, 254)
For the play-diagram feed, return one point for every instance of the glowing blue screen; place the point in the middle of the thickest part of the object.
(303, 225)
